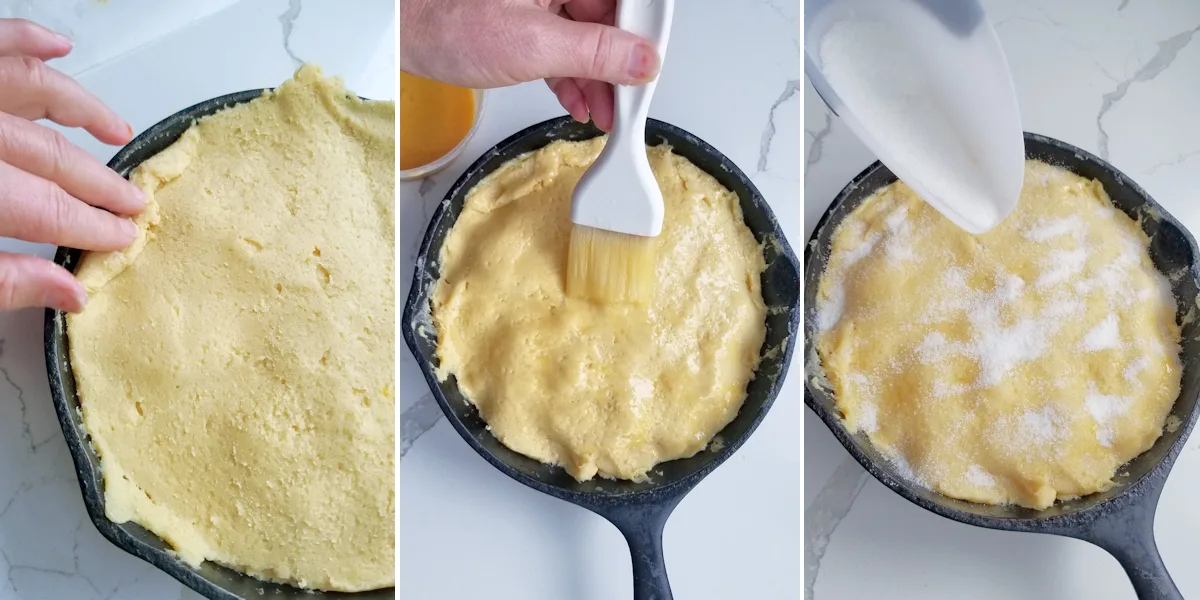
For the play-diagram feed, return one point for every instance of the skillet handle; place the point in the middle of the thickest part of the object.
(1139, 556)
(1127, 533)
(642, 526)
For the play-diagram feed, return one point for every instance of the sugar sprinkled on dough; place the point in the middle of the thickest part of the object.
(1103, 336)
(1105, 409)
(994, 351)
(976, 476)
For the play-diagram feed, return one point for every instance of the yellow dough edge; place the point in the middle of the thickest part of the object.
(599, 390)
(227, 411)
(1022, 366)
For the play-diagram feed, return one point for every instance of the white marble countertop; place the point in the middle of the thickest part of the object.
(731, 77)
(147, 59)
(1118, 78)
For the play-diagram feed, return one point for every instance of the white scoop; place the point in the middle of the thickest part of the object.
(925, 85)
(619, 192)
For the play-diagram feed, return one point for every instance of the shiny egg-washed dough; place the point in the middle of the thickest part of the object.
(234, 366)
(1019, 366)
(609, 390)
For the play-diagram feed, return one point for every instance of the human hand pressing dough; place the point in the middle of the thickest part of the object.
(572, 44)
(50, 190)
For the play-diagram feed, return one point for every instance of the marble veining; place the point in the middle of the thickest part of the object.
(417, 419)
(817, 141)
(825, 512)
(287, 21)
(790, 91)
(26, 430)
(1168, 49)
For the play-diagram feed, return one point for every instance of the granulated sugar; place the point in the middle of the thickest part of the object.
(1104, 409)
(1043, 426)
(888, 83)
(996, 348)
(831, 311)
(905, 470)
(1104, 336)
(1035, 432)
(1135, 368)
(1062, 266)
(983, 368)
(1049, 229)
(977, 477)
(1062, 305)
(868, 417)
(864, 389)
(898, 245)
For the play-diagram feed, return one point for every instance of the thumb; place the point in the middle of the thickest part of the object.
(27, 281)
(566, 48)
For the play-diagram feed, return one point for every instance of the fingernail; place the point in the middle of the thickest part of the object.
(643, 62)
(129, 227)
(64, 40)
(68, 300)
(139, 195)
(128, 130)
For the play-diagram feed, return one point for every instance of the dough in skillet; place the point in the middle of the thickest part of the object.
(609, 390)
(1019, 366)
(235, 365)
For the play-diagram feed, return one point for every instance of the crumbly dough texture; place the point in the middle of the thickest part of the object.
(1020, 366)
(235, 365)
(610, 389)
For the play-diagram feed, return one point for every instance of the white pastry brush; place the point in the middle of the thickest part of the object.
(617, 207)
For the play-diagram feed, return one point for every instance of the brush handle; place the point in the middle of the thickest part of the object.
(619, 192)
(650, 19)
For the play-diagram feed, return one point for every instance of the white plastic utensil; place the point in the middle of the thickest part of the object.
(926, 86)
(619, 192)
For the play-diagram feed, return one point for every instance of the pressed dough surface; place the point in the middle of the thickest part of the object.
(235, 365)
(1020, 366)
(609, 390)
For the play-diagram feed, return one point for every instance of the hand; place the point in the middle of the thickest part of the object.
(50, 190)
(491, 43)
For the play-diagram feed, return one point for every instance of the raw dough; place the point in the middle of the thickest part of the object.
(1019, 366)
(235, 366)
(612, 389)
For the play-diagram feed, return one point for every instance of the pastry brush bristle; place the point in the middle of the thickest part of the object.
(610, 267)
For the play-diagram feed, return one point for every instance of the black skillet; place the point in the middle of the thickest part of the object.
(638, 510)
(211, 580)
(1120, 520)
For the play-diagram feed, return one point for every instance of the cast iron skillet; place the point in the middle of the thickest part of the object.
(213, 581)
(638, 510)
(1120, 520)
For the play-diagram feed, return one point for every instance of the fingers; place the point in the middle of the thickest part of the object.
(570, 97)
(592, 11)
(19, 37)
(47, 154)
(36, 210)
(32, 90)
(27, 281)
(561, 47)
(586, 100)
(599, 98)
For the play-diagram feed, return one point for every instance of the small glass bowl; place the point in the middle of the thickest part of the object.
(430, 168)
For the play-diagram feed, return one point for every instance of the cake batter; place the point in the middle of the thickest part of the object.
(234, 365)
(599, 389)
(1020, 366)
